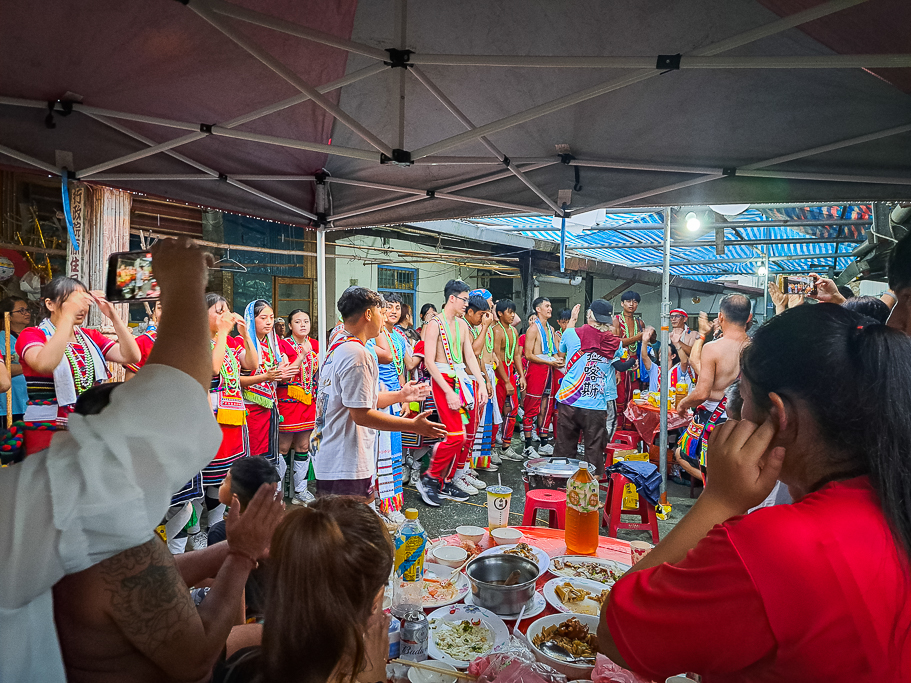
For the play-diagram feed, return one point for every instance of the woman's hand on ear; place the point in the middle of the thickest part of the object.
(742, 465)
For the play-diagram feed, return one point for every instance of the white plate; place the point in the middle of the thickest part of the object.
(537, 606)
(593, 587)
(617, 567)
(456, 613)
(460, 581)
(543, 558)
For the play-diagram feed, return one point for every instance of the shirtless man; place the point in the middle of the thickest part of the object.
(447, 352)
(719, 367)
(510, 377)
(541, 352)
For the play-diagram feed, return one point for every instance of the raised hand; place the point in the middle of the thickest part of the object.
(827, 291)
(226, 321)
(704, 325)
(424, 427)
(76, 306)
(415, 391)
(776, 295)
(180, 266)
(250, 532)
(105, 306)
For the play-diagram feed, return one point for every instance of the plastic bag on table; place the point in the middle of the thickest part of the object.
(516, 665)
(607, 671)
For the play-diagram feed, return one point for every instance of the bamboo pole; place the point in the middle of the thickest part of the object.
(9, 362)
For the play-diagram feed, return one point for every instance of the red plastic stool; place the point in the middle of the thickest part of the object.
(613, 508)
(631, 438)
(545, 499)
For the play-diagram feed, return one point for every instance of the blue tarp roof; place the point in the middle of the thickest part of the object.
(819, 255)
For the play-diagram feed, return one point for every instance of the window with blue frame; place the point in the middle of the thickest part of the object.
(402, 281)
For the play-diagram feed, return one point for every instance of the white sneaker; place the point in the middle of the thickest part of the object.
(303, 498)
(495, 458)
(546, 449)
(415, 476)
(460, 483)
(535, 437)
(529, 452)
(198, 541)
(510, 454)
(471, 478)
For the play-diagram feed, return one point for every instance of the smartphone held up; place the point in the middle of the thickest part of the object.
(804, 285)
(130, 277)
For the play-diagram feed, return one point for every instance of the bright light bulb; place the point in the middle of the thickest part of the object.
(692, 222)
(761, 271)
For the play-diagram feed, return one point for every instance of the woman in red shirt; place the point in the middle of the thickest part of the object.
(819, 590)
(297, 400)
(60, 360)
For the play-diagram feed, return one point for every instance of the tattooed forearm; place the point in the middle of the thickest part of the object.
(148, 599)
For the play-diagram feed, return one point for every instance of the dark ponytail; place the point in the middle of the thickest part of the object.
(854, 376)
(58, 289)
(213, 298)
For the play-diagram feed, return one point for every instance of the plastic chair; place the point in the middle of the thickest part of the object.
(630, 438)
(613, 509)
(545, 499)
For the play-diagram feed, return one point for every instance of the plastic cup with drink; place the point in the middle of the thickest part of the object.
(498, 499)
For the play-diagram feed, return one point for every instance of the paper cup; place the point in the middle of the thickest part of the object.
(639, 549)
(498, 498)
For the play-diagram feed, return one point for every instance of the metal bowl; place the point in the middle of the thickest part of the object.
(552, 473)
(499, 599)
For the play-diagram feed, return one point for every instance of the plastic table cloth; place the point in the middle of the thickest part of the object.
(647, 420)
(552, 542)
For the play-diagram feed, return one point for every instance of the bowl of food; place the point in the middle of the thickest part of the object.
(421, 676)
(506, 536)
(468, 533)
(502, 583)
(449, 555)
(575, 635)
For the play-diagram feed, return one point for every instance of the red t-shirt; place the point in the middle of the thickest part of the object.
(145, 344)
(813, 591)
(34, 336)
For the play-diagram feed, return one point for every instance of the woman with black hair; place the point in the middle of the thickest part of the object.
(60, 359)
(818, 590)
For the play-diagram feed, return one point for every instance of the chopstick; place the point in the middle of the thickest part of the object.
(448, 582)
(434, 669)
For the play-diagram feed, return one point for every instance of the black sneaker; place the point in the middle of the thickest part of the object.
(429, 488)
(450, 491)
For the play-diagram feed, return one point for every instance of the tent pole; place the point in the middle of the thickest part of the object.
(665, 353)
(741, 39)
(322, 313)
(281, 70)
(32, 161)
(765, 290)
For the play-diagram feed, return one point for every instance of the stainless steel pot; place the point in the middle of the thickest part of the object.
(499, 599)
(552, 473)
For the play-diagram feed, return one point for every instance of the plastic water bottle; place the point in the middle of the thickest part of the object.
(408, 586)
(582, 512)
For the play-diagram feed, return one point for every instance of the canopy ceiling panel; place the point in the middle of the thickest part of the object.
(655, 136)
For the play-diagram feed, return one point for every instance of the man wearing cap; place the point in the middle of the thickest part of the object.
(629, 329)
(586, 400)
(681, 335)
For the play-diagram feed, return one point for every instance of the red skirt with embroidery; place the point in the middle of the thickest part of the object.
(296, 416)
(232, 448)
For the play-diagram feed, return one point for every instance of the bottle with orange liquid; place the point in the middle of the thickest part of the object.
(582, 520)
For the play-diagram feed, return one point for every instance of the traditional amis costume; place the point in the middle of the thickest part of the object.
(297, 400)
(261, 399)
(540, 384)
(228, 404)
(389, 444)
(487, 417)
(631, 379)
(445, 455)
(508, 405)
(51, 398)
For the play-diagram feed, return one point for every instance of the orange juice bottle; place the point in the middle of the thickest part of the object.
(582, 520)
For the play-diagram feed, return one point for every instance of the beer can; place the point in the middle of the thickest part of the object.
(395, 633)
(414, 635)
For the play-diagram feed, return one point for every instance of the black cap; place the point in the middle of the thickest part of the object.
(602, 310)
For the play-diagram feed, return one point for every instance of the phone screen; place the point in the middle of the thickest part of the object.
(800, 284)
(130, 277)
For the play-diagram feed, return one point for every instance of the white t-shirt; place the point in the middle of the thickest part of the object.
(99, 489)
(349, 378)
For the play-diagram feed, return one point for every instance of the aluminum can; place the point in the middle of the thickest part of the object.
(415, 632)
(395, 633)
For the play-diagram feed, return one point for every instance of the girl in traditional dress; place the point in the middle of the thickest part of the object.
(229, 355)
(60, 360)
(260, 396)
(297, 401)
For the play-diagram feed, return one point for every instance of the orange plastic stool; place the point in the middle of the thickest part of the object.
(545, 499)
(613, 508)
(631, 438)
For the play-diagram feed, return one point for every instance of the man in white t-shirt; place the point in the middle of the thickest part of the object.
(347, 415)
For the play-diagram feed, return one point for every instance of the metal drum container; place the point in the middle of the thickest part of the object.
(499, 599)
(552, 473)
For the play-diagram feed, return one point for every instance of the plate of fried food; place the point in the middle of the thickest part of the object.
(591, 568)
(536, 555)
(576, 635)
(575, 596)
